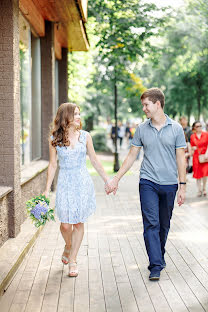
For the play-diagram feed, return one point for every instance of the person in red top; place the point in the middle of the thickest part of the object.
(199, 143)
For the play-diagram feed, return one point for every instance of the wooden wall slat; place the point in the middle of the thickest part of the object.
(70, 33)
(83, 8)
(31, 13)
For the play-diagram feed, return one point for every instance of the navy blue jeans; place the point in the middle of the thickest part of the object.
(157, 202)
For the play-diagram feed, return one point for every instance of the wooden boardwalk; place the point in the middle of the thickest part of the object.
(113, 273)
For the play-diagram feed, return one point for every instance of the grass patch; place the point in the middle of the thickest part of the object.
(107, 165)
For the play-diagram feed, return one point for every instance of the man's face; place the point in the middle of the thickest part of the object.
(149, 108)
(184, 123)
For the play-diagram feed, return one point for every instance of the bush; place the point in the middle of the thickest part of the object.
(100, 140)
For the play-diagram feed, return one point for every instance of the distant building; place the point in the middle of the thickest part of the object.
(35, 37)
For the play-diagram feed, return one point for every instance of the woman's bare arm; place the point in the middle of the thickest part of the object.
(94, 160)
(128, 162)
(51, 168)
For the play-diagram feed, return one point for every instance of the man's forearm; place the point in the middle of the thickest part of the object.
(181, 164)
(128, 162)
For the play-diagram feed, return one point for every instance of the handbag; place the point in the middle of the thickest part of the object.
(203, 158)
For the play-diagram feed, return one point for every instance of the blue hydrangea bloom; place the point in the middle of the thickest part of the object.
(39, 209)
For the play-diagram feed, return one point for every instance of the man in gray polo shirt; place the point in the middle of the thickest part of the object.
(163, 167)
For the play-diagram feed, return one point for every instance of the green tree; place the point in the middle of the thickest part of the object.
(123, 29)
(179, 64)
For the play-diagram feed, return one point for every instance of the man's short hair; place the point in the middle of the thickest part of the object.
(154, 95)
(182, 118)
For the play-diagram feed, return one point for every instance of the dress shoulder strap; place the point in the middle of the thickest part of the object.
(83, 136)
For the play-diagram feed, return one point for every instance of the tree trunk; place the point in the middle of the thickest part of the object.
(89, 123)
(188, 112)
(116, 160)
(115, 115)
(199, 85)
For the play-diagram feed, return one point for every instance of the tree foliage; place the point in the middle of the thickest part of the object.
(134, 45)
(123, 29)
(180, 64)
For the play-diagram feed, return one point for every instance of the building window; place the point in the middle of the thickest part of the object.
(36, 98)
(25, 89)
(30, 93)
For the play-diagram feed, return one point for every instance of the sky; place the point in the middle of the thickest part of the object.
(173, 3)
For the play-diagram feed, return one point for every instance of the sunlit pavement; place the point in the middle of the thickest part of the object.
(113, 273)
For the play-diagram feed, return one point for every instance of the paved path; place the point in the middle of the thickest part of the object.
(113, 273)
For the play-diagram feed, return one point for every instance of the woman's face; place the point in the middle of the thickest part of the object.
(76, 121)
(198, 127)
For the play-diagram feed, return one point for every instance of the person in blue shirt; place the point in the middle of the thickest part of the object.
(162, 168)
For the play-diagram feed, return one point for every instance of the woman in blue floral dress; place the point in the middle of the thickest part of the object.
(75, 195)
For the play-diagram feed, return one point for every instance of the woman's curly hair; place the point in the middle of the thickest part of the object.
(64, 117)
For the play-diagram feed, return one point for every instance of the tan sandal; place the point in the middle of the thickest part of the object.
(73, 272)
(65, 259)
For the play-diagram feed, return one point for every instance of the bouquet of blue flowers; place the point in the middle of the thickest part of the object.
(39, 211)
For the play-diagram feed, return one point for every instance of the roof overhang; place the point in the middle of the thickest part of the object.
(69, 17)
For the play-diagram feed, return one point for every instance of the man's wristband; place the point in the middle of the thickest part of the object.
(182, 183)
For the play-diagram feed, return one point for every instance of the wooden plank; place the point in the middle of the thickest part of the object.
(77, 37)
(192, 245)
(126, 294)
(23, 291)
(158, 298)
(170, 293)
(112, 300)
(96, 291)
(83, 8)
(61, 35)
(180, 284)
(57, 46)
(191, 280)
(62, 11)
(52, 291)
(168, 289)
(66, 297)
(72, 10)
(135, 276)
(191, 231)
(184, 294)
(35, 300)
(8, 297)
(81, 301)
(48, 10)
(31, 13)
(26, 283)
(129, 280)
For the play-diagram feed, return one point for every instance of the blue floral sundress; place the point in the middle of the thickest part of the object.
(75, 195)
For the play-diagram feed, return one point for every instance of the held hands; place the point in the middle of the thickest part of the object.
(111, 186)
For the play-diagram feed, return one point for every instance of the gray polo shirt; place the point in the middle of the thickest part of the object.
(159, 163)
